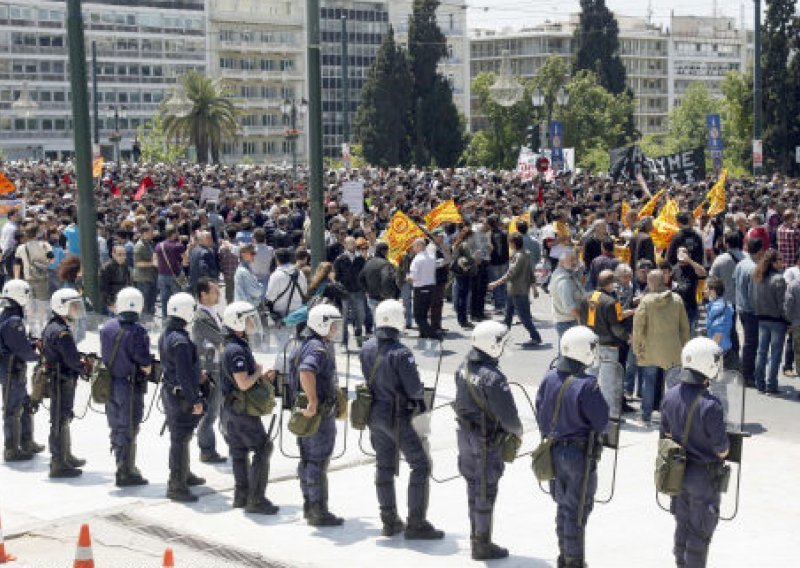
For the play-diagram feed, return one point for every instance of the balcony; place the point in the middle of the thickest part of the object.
(253, 47)
(264, 131)
(258, 75)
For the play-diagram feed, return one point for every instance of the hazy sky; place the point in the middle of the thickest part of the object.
(518, 13)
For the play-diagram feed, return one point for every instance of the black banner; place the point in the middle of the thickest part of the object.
(688, 166)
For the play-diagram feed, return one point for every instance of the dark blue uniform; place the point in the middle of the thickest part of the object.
(397, 394)
(584, 412)
(316, 356)
(128, 386)
(15, 352)
(479, 457)
(696, 509)
(181, 391)
(64, 361)
(243, 433)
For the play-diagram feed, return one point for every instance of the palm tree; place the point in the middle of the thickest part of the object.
(211, 116)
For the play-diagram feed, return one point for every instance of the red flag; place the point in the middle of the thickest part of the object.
(66, 179)
(568, 191)
(540, 196)
(144, 185)
(115, 191)
(181, 182)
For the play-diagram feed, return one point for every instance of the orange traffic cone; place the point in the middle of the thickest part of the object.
(169, 561)
(83, 554)
(3, 556)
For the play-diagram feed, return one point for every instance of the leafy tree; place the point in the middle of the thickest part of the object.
(212, 119)
(597, 41)
(382, 121)
(687, 121)
(436, 129)
(779, 107)
(156, 146)
(550, 79)
(737, 120)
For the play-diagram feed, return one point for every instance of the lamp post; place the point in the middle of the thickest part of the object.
(25, 107)
(120, 111)
(547, 101)
(290, 109)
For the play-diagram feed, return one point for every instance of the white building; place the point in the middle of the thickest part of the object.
(452, 19)
(142, 47)
(257, 48)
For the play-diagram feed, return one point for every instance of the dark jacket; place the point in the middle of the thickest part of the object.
(499, 254)
(607, 322)
(767, 297)
(691, 240)
(642, 248)
(348, 266)
(113, 278)
(378, 279)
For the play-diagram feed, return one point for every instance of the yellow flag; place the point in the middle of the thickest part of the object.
(446, 212)
(716, 197)
(665, 226)
(650, 208)
(6, 185)
(626, 207)
(512, 226)
(698, 210)
(400, 235)
(97, 167)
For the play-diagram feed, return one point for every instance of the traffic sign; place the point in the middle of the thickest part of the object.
(542, 164)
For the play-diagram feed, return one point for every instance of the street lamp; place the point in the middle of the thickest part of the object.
(25, 106)
(506, 90)
(178, 105)
(120, 111)
(290, 108)
(541, 100)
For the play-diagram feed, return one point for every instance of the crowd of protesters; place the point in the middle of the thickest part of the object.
(572, 240)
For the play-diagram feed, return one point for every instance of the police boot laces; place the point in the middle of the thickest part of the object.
(421, 529)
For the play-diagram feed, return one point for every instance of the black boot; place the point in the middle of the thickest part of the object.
(392, 524)
(239, 497)
(257, 502)
(484, 549)
(320, 516)
(12, 451)
(27, 444)
(306, 507)
(193, 480)
(60, 467)
(177, 487)
(68, 457)
(240, 483)
(127, 474)
(571, 562)
(421, 529)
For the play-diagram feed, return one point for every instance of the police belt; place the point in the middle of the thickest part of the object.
(473, 427)
(575, 442)
(710, 467)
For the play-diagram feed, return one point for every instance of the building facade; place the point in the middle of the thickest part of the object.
(660, 63)
(143, 47)
(257, 49)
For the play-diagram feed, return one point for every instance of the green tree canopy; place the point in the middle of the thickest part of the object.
(382, 121)
(597, 45)
(212, 118)
(156, 146)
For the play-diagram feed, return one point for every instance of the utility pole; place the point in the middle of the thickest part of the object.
(757, 87)
(315, 134)
(345, 84)
(87, 216)
(95, 102)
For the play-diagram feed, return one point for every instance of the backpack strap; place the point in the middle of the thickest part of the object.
(559, 400)
(688, 428)
(115, 349)
(373, 371)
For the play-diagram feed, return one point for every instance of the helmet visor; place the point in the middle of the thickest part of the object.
(336, 332)
(76, 309)
(252, 325)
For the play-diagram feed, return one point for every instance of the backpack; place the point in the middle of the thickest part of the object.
(671, 458)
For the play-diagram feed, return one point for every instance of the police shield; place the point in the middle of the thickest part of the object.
(610, 377)
(37, 314)
(729, 388)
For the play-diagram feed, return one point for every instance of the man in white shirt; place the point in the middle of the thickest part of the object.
(422, 276)
(7, 244)
(287, 286)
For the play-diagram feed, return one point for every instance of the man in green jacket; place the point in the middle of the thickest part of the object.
(519, 279)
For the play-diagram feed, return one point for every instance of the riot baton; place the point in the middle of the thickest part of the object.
(396, 436)
(484, 457)
(587, 469)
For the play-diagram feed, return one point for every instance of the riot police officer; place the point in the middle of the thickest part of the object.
(64, 363)
(125, 350)
(312, 370)
(696, 508)
(182, 395)
(15, 351)
(397, 395)
(583, 415)
(485, 411)
(244, 433)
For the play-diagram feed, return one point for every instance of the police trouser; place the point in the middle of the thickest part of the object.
(245, 434)
(482, 476)
(181, 423)
(124, 412)
(696, 512)
(205, 429)
(386, 435)
(17, 412)
(569, 460)
(62, 400)
(315, 455)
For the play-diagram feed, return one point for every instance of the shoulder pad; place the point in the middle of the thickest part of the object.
(63, 334)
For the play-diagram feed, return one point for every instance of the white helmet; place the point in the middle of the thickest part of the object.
(129, 300)
(17, 290)
(322, 318)
(702, 355)
(68, 303)
(490, 337)
(580, 344)
(242, 317)
(390, 313)
(182, 306)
